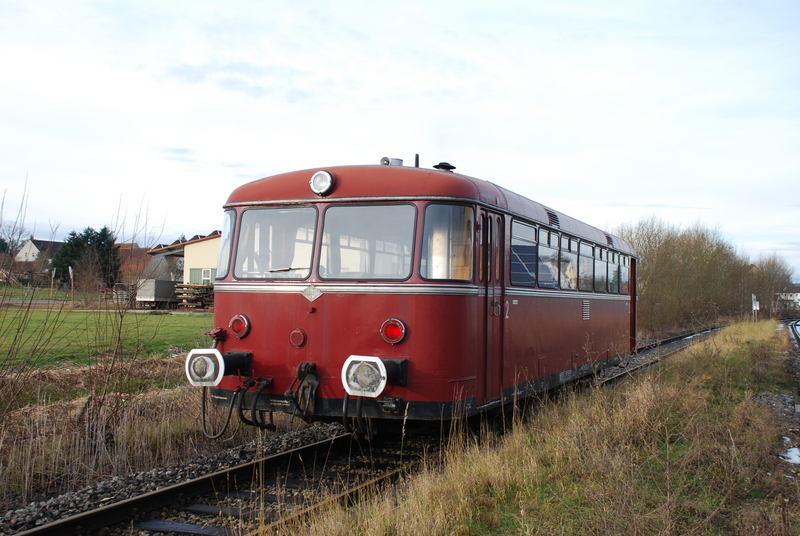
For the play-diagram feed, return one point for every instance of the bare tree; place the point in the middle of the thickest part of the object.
(694, 276)
(13, 231)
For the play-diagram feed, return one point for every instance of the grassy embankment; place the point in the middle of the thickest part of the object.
(86, 412)
(681, 449)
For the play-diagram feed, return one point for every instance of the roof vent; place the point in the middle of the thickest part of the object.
(444, 166)
(553, 217)
(609, 240)
(386, 161)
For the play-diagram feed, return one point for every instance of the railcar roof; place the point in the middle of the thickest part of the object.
(366, 182)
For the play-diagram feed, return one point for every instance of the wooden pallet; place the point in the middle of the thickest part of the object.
(195, 296)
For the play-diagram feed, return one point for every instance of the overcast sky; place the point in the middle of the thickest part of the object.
(606, 111)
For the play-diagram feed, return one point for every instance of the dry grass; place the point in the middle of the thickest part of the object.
(680, 450)
(46, 449)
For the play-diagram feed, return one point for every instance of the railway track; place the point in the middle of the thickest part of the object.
(650, 354)
(794, 332)
(267, 492)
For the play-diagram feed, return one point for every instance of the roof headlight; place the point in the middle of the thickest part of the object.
(321, 183)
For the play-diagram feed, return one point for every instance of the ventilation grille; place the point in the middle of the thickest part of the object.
(587, 313)
(553, 219)
(610, 241)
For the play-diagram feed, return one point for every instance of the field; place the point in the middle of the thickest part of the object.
(76, 337)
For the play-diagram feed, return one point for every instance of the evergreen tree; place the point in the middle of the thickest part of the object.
(92, 253)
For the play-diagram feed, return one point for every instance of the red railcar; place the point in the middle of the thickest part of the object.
(400, 293)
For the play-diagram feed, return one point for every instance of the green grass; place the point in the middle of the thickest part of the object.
(35, 293)
(79, 337)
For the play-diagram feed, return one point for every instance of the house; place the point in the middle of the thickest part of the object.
(32, 249)
(34, 260)
(789, 301)
(199, 255)
(133, 261)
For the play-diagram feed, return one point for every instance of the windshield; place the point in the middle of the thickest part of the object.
(367, 242)
(275, 243)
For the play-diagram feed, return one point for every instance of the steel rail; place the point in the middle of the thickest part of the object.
(657, 359)
(349, 497)
(230, 478)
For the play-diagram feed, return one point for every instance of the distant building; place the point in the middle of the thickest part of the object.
(789, 301)
(133, 261)
(32, 249)
(34, 260)
(199, 254)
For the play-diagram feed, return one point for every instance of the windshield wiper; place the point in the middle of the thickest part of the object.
(285, 269)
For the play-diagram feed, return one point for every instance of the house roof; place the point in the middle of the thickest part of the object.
(176, 248)
(47, 246)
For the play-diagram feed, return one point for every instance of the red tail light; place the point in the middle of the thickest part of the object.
(393, 330)
(240, 326)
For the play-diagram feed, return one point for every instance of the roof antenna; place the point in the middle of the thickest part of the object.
(416, 160)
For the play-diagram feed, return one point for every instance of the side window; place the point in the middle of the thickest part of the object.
(600, 270)
(523, 255)
(548, 259)
(586, 267)
(447, 242)
(624, 275)
(569, 264)
(613, 273)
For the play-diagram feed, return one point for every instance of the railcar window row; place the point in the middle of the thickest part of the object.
(540, 259)
(376, 242)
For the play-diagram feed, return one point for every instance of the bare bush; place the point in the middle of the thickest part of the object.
(692, 276)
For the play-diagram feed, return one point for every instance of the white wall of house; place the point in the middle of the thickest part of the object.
(200, 261)
(27, 253)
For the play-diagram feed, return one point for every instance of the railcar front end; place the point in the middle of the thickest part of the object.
(391, 293)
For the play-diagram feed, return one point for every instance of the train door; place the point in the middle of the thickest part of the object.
(633, 303)
(490, 274)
